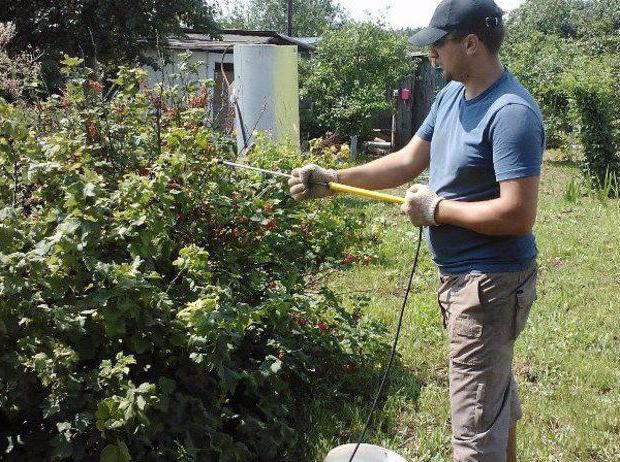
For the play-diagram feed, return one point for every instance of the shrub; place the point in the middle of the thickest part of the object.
(348, 77)
(550, 39)
(593, 94)
(155, 305)
(539, 62)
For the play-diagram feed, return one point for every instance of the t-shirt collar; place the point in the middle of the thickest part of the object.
(488, 90)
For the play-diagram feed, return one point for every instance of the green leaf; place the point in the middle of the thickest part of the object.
(271, 365)
(229, 379)
(89, 190)
(115, 453)
(70, 61)
(166, 385)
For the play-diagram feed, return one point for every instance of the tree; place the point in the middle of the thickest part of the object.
(310, 17)
(348, 77)
(593, 24)
(102, 31)
(567, 53)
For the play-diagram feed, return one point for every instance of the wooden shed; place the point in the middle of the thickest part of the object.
(216, 61)
(416, 94)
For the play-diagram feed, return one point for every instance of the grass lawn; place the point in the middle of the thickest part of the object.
(567, 360)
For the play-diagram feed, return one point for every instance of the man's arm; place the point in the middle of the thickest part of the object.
(391, 170)
(512, 213)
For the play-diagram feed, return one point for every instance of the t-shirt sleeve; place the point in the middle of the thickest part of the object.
(517, 138)
(428, 126)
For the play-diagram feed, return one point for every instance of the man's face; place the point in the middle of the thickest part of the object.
(448, 54)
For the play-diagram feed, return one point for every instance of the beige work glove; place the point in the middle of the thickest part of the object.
(420, 205)
(303, 183)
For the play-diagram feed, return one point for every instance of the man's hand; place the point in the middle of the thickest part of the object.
(420, 205)
(310, 182)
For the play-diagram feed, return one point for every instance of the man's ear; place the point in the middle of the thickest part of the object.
(472, 44)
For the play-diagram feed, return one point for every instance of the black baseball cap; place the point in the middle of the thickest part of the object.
(458, 15)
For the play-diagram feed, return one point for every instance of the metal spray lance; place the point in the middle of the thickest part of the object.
(336, 187)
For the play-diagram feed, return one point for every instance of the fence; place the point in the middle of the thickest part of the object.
(416, 95)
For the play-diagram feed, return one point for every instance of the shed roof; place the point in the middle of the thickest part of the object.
(192, 40)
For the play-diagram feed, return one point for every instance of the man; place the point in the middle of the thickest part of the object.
(482, 142)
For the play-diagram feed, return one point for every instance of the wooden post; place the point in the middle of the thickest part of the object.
(410, 113)
(353, 147)
(403, 122)
(289, 30)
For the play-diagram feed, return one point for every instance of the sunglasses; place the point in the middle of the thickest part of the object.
(445, 39)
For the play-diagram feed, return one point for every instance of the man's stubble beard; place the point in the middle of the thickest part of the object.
(449, 77)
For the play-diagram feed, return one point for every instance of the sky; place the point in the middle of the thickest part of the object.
(404, 13)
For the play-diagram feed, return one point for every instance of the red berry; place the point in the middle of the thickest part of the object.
(95, 86)
(322, 325)
(91, 129)
(65, 102)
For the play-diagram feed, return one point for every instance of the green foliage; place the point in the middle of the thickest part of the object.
(604, 189)
(566, 52)
(593, 94)
(591, 24)
(20, 71)
(310, 17)
(560, 18)
(155, 305)
(348, 78)
(539, 61)
(108, 31)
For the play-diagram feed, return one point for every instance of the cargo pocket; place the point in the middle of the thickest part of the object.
(525, 295)
(465, 327)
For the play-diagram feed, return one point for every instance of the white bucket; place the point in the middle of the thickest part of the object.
(365, 453)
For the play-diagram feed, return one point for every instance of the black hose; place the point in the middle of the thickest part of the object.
(393, 353)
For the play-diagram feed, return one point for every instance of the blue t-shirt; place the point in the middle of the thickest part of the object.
(475, 144)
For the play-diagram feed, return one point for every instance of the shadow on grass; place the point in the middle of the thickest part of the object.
(329, 422)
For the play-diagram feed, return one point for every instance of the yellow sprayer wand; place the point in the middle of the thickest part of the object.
(337, 187)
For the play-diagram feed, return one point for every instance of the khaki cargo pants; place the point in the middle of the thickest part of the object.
(484, 314)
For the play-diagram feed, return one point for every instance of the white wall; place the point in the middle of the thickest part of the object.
(266, 83)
